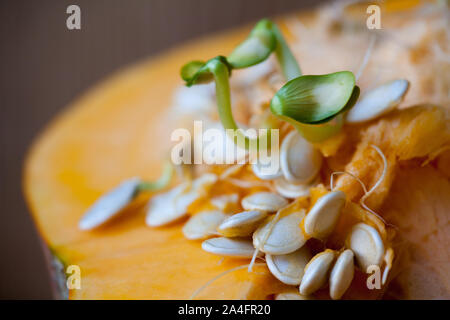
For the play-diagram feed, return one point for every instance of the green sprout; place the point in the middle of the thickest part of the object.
(162, 182)
(309, 103)
(219, 70)
(264, 39)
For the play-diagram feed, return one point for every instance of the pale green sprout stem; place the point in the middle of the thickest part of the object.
(159, 184)
(221, 78)
(286, 59)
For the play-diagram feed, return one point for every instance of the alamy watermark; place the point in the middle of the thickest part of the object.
(374, 20)
(217, 146)
(73, 21)
(73, 273)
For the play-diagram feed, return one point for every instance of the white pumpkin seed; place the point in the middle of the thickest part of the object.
(322, 218)
(239, 248)
(299, 160)
(204, 181)
(285, 235)
(292, 296)
(366, 244)
(316, 272)
(170, 206)
(265, 172)
(288, 268)
(225, 202)
(264, 201)
(110, 204)
(241, 224)
(342, 274)
(164, 209)
(291, 190)
(203, 224)
(378, 101)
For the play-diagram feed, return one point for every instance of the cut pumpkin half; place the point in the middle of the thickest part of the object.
(119, 129)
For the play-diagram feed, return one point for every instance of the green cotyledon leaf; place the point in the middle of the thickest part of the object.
(189, 70)
(197, 72)
(315, 99)
(256, 48)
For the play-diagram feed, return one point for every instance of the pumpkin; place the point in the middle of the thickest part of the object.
(118, 130)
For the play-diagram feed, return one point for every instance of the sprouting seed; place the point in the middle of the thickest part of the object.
(342, 274)
(317, 271)
(322, 218)
(299, 160)
(241, 224)
(281, 238)
(315, 99)
(113, 202)
(288, 268)
(203, 224)
(378, 101)
(110, 204)
(264, 39)
(239, 248)
(264, 201)
(256, 48)
(304, 100)
(366, 244)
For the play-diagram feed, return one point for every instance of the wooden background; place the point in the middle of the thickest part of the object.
(43, 66)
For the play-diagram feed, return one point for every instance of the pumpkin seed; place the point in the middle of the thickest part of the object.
(203, 224)
(291, 296)
(322, 218)
(110, 204)
(299, 160)
(225, 202)
(366, 244)
(170, 206)
(203, 182)
(291, 190)
(264, 201)
(316, 272)
(241, 224)
(378, 101)
(342, 274)
(163, 208)
(261, 172)
(239, 248)
(281, 238)
(288, 268)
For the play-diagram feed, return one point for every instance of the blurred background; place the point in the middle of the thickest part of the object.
(44, 66)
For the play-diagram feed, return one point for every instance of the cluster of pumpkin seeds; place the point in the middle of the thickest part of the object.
(271, 227)
(279, 237)
(274, 228)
